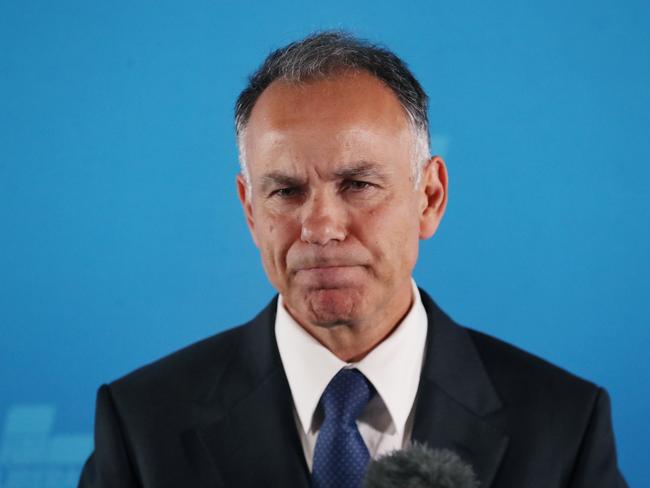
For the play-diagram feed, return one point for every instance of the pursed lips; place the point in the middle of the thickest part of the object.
(328, 266)
(331, 274)
(325, 265)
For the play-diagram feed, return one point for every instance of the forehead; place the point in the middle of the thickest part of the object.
(351, 96)
(352, 115)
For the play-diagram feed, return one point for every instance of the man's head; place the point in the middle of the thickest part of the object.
(337, 183)
(324, 55)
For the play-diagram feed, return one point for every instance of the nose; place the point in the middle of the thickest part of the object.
(324, 220)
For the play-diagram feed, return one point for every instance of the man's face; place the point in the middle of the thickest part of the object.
(333, 207)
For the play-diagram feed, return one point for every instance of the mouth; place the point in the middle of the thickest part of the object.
(329, 266)
(328, 276)
(333, 267)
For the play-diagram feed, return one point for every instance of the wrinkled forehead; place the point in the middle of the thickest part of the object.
(350, 117)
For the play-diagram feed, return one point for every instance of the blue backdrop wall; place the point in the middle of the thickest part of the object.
(121, 235)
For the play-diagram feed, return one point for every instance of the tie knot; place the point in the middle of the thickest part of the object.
(346, 395)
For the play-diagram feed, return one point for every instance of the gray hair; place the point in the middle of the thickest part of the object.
(329, 53)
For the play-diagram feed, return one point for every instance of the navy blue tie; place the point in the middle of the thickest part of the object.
(340, 455)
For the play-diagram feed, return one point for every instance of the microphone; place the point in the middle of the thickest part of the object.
(419, 466)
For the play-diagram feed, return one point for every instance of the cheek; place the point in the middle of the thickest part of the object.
(275, 234)
(391, 235)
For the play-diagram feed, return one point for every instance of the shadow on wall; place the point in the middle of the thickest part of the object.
(32, 457)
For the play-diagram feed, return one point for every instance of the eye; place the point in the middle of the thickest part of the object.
(288, 192)
(357, 185)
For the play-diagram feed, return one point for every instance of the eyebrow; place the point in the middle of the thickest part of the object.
(360, 169)
(277, 178)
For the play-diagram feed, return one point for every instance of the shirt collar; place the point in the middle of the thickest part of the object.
(393, 366)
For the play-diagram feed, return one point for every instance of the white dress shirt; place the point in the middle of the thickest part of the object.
(393, 367)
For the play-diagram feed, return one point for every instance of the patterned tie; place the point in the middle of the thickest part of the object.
(340, 455)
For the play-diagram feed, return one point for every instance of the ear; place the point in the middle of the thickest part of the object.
(433, 190)
(245, 199)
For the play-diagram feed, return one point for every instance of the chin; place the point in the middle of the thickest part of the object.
(332, 307)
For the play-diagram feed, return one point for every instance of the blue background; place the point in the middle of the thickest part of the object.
(121, 235)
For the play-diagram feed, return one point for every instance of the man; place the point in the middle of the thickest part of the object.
(351, 360)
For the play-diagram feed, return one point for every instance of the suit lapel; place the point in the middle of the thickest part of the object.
(457, 407)
(252, 436)
(250, 433)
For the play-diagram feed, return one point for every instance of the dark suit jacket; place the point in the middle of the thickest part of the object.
(219, 414)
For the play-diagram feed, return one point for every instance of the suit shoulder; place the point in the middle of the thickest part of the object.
(206, 358)
(536, 378)
(510, 368)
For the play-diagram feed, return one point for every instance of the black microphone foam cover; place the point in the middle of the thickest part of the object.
(419, 466)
